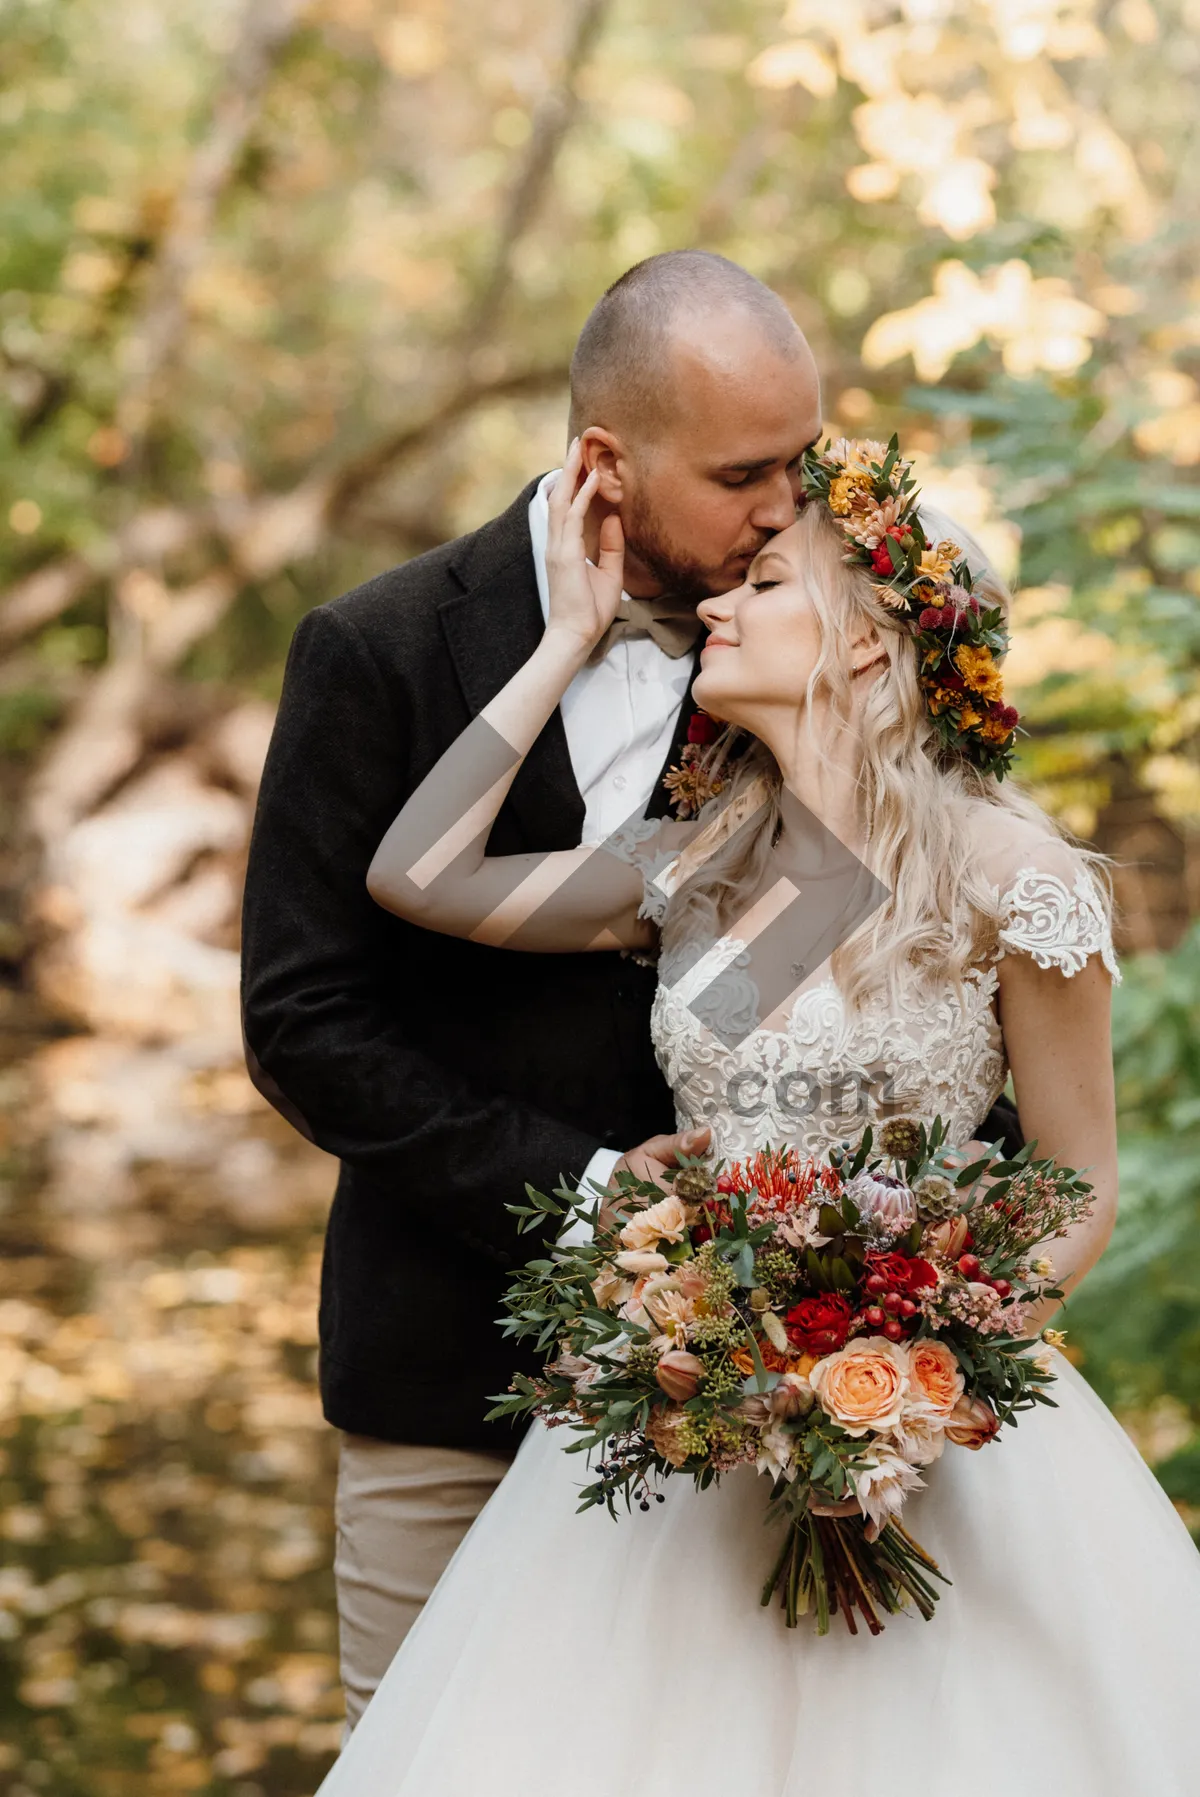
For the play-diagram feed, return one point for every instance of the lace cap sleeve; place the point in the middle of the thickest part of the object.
(1058, 918)
(641, 844)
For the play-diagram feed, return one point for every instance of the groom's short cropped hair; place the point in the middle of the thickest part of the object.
(621, 368)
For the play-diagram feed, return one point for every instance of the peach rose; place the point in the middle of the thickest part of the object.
(864, 1385)
(665, 1221)
(971, 1423)
(935, 1378)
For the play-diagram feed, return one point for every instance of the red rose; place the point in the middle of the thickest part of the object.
(903, 1272)
(701, 728)
(819, 1325)
(881, 560)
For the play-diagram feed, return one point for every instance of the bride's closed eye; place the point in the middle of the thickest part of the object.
(761, 586)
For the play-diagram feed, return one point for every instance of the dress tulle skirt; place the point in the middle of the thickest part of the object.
(574, 1656)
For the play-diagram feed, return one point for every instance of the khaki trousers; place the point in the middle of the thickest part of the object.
(400, 1513)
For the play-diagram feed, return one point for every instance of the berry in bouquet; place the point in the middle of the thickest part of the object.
(835, 1323)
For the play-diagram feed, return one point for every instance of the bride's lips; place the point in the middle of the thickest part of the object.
(718, 642)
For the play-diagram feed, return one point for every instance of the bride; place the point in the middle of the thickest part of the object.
(565, 1656)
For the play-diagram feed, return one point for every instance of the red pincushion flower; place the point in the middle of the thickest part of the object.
(930, 618)
(702, 729)
(904, 1272)
(819, 1325)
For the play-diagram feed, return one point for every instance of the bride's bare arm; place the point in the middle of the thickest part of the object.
(432, 867)
(1058, 1038)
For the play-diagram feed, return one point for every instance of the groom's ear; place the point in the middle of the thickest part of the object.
(604, 452)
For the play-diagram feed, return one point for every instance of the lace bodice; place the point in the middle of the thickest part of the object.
(827, 1075)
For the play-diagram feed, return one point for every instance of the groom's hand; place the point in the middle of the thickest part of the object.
(650, 1160)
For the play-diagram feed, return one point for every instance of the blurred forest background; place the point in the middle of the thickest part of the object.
(289, 292)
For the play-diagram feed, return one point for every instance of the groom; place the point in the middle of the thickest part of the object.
(444, 1074)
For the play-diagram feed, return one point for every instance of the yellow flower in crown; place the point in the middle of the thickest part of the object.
(995, 730)
(849, 492)
(938, 561)
(975, 664)
(968, 717)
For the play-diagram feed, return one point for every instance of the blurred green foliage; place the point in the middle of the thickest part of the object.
(1137, 1318)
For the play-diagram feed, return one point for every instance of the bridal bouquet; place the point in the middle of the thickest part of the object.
(834, 1323)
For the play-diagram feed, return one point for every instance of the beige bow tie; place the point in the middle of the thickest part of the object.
(672, 623)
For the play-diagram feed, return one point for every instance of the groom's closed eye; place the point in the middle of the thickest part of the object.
(743, 474)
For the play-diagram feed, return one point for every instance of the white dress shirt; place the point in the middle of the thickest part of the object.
(619, 716)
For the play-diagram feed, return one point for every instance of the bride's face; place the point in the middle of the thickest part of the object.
(764, 638)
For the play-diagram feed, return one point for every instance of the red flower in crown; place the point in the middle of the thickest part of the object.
(881, 559)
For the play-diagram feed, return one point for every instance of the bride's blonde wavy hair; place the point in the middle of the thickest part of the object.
(919, 807)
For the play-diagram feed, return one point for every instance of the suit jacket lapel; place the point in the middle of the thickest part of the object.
(491, 629)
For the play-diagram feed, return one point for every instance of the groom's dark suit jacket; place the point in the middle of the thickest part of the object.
(442, 1074)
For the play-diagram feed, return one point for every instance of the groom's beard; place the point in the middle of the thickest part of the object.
(677, 572)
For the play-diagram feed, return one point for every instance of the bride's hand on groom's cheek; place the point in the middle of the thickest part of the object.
(651, 1160)
(583, 596)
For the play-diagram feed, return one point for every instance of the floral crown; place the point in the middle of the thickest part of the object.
(870, 491)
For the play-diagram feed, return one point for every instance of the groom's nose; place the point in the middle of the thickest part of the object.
(775, 504)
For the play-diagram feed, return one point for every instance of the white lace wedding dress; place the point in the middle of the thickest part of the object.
(574, 1656)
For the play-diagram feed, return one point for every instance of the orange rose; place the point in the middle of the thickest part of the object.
(864, 1385)
(971, 1423)
(666, 1221)
(935, 1378)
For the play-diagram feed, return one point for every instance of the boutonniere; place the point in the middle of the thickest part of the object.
(691, 783)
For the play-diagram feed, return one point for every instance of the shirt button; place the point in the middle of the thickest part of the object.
(620, 782)
(642, 675)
